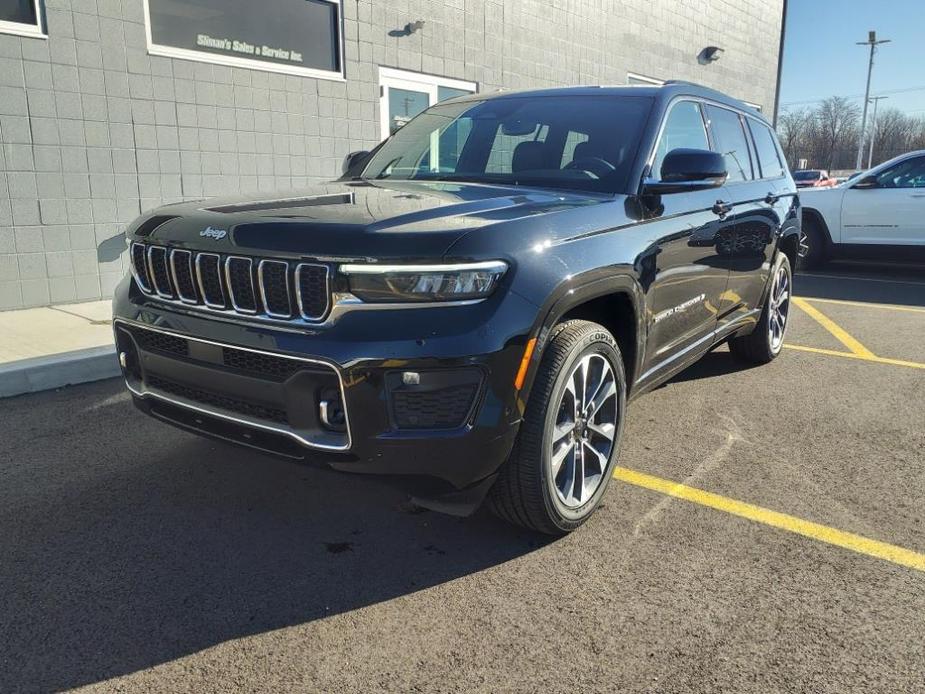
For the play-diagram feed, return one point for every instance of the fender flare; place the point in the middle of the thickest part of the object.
(817, 216)
(573, 293)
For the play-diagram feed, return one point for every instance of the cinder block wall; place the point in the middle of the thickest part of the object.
(95, 131)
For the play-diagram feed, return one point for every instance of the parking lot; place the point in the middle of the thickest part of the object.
(765, 533)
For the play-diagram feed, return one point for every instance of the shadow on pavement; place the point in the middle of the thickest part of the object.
(716, 363)
(896, 283)
(126, 544)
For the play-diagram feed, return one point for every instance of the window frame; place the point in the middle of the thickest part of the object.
(35, 31)
(915, 158)
(745, 133)
(252, 63)
(650, 162)
(417, 81)
(642, 80)
(777, 152)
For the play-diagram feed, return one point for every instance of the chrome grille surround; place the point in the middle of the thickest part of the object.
(263, 267)
(159, 272)
(228, 285)
(180, 277)
(243, 299)
(303, 267)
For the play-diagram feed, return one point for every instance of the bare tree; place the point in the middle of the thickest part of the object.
(836, 128)
(793, 128)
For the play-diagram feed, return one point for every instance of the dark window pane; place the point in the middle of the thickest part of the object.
(19, 11)
(405, 105)
(907, 174)
(293, 33)
(768, 157)
(444, 93)
(683, 130)
(579, 142)
(730, 142)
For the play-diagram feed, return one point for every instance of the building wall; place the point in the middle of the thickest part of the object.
(94, 130)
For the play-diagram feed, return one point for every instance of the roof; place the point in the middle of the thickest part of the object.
(663, 93)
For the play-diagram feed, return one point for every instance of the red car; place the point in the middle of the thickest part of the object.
(813, 178)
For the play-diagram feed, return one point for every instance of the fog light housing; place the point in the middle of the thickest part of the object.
(331, 411)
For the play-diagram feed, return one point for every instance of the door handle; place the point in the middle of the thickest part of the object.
(721, 208)
(771, 198)
(918, 195)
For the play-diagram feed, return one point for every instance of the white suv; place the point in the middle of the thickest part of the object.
(882, 210)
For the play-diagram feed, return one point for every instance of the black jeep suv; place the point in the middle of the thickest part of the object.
(472, 305)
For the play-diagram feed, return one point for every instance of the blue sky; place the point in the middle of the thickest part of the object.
(821, 58)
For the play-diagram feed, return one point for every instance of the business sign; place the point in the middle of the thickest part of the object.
(294, 36)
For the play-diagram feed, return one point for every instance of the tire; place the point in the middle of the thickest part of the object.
(528, 491)
(813, 251)
(767, 339)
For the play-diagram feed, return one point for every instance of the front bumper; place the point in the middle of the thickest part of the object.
(261, 386)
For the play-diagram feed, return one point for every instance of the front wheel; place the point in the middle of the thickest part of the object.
(767, 339)
(567, 446)
(813, 251)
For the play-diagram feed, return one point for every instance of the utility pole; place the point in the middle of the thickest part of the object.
(873, 42)
(873, 128)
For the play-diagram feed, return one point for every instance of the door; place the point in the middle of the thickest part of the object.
(753, 217)
(405, 94)
(681, 272)
(889, 212)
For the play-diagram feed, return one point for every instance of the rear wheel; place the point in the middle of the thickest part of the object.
(567, 446)
(767, 339)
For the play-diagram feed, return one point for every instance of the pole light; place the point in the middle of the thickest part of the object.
(873, 42)
(873, 128)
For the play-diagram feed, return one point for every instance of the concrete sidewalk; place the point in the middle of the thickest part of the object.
(55, 346)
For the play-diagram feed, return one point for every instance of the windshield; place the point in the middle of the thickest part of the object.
(807, 176)
(576, 142)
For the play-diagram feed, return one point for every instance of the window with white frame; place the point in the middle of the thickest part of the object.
(636, 78)
(21, 17)
(298, 37)
(405, 94)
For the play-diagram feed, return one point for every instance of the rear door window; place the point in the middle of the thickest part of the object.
(768, 157)
(730, 141)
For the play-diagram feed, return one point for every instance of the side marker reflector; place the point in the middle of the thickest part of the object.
(524, 364)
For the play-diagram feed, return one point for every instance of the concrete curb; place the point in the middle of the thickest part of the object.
(47, 373)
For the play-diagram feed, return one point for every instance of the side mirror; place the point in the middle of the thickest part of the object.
(867, 182)
(685, 170)
(353, 161)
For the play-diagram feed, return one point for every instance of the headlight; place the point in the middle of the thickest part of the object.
(422, 283)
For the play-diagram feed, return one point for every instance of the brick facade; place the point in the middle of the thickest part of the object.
(94, 130)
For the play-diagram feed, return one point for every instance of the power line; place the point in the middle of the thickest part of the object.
(856, 96)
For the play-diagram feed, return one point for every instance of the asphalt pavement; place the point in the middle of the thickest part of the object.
(134, 557)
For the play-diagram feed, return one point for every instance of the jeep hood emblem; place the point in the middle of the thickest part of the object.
(213, 233)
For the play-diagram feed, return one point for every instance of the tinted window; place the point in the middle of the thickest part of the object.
(768, 157)
(579, 142)
(730, 142)
(807, 175)
(291, 33)
(19, 11)
(683, 129)
(907, 174)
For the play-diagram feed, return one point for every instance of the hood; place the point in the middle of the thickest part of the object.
(351, 220)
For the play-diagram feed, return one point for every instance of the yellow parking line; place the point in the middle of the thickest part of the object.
(815, 531)
(863, 304)
(837, 331)
(863, 357)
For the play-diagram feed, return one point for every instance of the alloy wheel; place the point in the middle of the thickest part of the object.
(585, 431)
(804, 247)
(779, 308)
